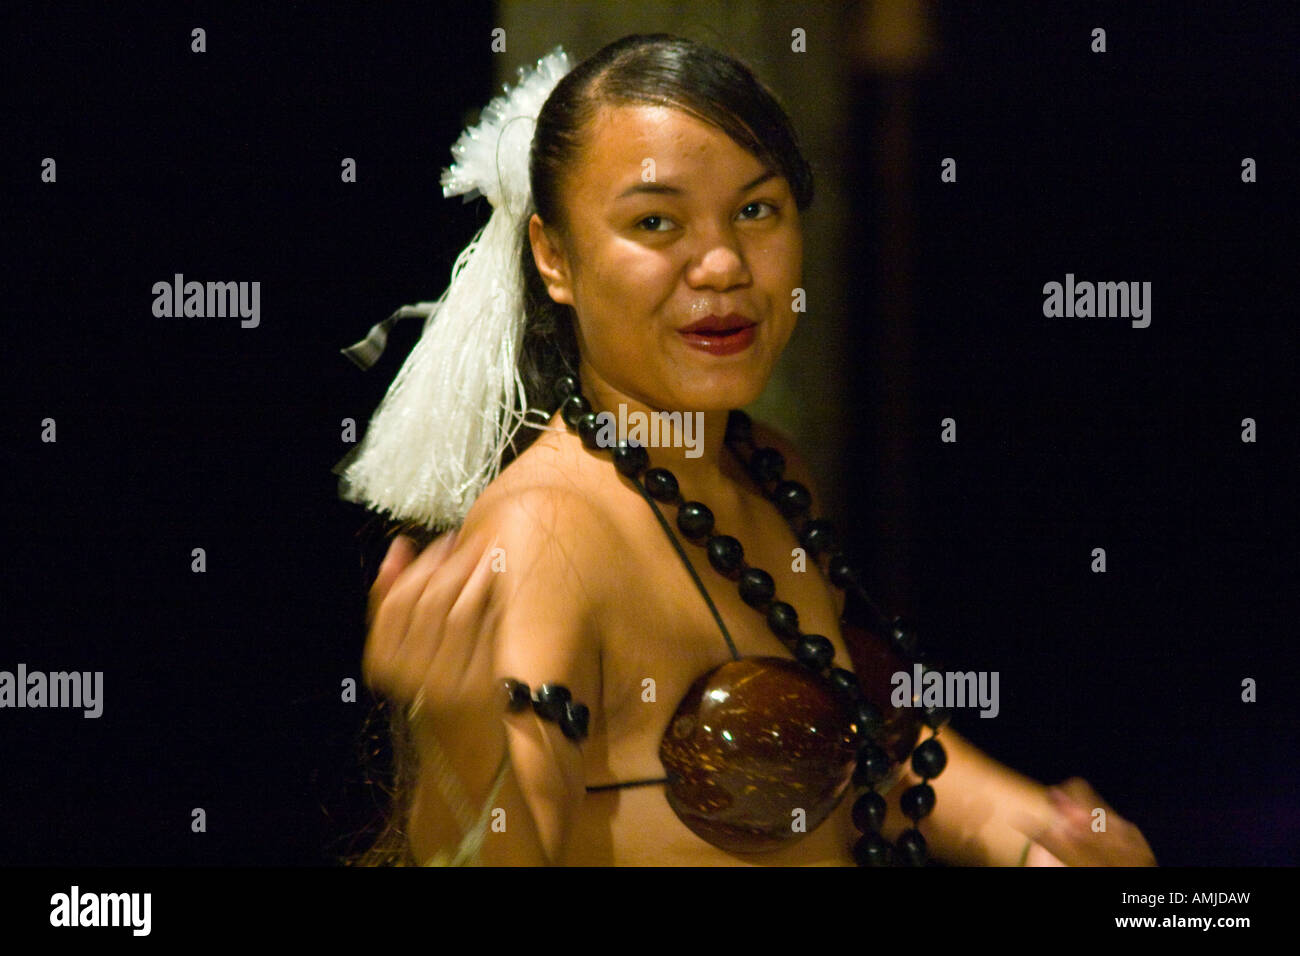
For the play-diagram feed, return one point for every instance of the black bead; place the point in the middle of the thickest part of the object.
(845, 683)
(868, 718)
(917, 801)
(873, 766)
(574, 407)
(903, 637)
(843, 572)
(756, 587)
(783, 620)
(725, 553)
(661, 484)
(869, 812)
(872, 850)
(817, 537)
(911, 848)
(739, 427)
(589, 430)
(694, 519)
(792, 498)
(766, 465)
(518, 695)
(565, 386)
(814, 651)
(929, 759)
(573, 720)
(551, 699)
(631, 460)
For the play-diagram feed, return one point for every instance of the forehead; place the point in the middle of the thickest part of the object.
(621, 138)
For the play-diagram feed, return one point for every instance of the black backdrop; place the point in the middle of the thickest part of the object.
(222, 689)
(1083, 433)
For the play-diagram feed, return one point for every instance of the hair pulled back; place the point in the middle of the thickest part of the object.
(655, 69)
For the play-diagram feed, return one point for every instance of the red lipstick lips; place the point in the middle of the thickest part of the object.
(720, 335)
(713, 323)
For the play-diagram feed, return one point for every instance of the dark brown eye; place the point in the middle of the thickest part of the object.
(759, 202)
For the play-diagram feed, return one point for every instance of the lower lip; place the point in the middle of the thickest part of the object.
(720, 344)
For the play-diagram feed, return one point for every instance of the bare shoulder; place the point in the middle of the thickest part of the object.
(544, 514)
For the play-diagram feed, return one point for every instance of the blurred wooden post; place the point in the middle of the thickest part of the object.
(891, 44)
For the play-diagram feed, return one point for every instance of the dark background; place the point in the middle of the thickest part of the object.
(222, 689)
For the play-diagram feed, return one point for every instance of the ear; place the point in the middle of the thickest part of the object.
(551, 262)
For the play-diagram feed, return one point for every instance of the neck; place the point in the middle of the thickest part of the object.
(690, 444)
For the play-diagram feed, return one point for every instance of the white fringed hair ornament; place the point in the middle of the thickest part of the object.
(438, 436)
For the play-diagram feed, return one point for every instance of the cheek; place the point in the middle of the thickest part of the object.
(793, 256)
(617, 291)
(627, 284)
(784, 271)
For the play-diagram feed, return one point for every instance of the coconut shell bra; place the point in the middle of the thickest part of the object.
(757, 740)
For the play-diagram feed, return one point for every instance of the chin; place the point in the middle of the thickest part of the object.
(724, 396)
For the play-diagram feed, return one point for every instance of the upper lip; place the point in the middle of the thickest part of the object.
(716, 323)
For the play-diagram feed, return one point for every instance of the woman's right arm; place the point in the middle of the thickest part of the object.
(525, 609)
(548, 595)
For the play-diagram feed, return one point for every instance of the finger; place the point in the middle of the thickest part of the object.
(390, 611)
(415, 622)
(421, 599)
(1040, 856)
(446, 649)
(1074, 811)
(1081, 793)
(443, 545)
(1059, 833)
(401, 578)
(1121, 844)
(1066, 843)
(467, 630)
(1083, 805)
(447, 622)
(401, 552)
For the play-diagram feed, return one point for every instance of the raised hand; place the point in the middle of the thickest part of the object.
(429, 643)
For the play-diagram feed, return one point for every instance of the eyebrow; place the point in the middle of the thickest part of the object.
(673, 190)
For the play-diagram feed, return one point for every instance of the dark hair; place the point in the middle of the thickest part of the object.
(655, 69)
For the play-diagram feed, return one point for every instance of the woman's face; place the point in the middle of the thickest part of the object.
(670, 222)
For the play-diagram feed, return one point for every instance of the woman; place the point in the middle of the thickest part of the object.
(660, 256)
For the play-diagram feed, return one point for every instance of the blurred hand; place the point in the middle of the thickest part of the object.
(430, 639)
(1068, 838)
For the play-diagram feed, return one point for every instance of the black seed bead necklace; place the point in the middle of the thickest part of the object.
(757, 589)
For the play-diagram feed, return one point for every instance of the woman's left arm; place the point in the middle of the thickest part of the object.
(985, 813)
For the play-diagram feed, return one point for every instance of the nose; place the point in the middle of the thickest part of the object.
(719, 263)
